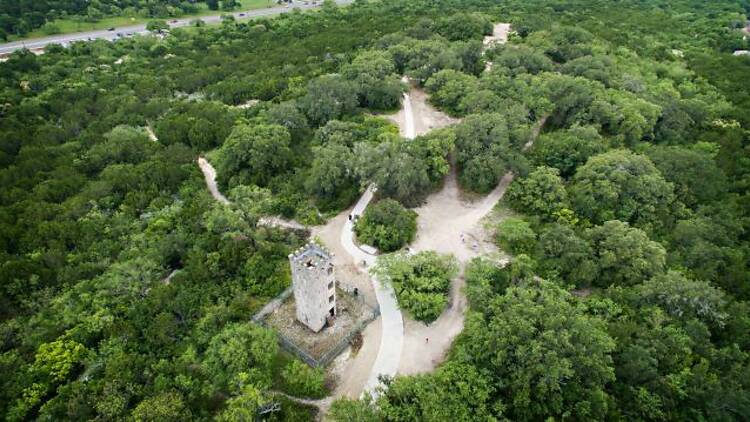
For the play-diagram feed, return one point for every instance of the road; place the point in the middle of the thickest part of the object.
(64, 39)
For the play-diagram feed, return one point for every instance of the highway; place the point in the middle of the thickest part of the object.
(65, 39)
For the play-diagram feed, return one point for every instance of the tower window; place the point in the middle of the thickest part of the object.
(330, 299)
(330, 270)
(330, 285)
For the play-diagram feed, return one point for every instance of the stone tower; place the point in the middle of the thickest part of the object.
(314, 285)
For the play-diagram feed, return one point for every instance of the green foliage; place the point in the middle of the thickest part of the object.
(566, 150)
(522, 342)
(328, 97)
(421, 281)
(387, 225)
(378, 86)
(541, 192)
(464, 26)
(57, 359)
(696, 177)
(484, 151)
(303, 381)
(239, 354)
(164, 407)
(625, 186)
(515, 235)
(244, 406)
(157, 26)
(562, 253)
(95, 216)
(624, 255)
(253, 155)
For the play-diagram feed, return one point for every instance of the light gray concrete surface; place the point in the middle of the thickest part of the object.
(392, 337)
(65, 39)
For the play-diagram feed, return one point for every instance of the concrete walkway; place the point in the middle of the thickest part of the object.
(392, 337)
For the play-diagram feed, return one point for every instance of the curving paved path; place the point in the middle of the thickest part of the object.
(392, 333)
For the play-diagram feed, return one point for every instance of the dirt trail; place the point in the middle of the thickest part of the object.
(322, 404)
(151, 134)
(209, 173)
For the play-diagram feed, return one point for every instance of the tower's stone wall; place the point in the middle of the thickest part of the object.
(314, 285)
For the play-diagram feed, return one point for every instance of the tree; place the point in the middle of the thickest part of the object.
(241, 353)
(387, 225)
(229, 4)
(622, 185)
(540, 193)
(397, 173)
(568, 149)
(328, 97)
(303, 381)
(374, 74)
(519, 59)
(212, 4)
(421, 281)
(253, 155)
(455, 392)
(696, 177)
(163, 407)
(464, 26)
(243, 407)
(157, 26)
(624, 254)
(515, 236)
(564, 254)
(288, 115)
(448, 88)
(524, 344)
(684, 298)
(56, 360)
(484, 151)
(332, 179)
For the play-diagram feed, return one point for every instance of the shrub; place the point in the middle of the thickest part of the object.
(387, 225)
(515, 236)
(303, 381)
(421, 281)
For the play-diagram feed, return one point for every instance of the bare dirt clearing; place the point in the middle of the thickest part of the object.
(499, 34)
(424, 117)
(448, 223)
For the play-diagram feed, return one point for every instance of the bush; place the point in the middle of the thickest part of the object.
(303, 381)
(516, 236)
(50, 28)
(387, 225)
(421, 281)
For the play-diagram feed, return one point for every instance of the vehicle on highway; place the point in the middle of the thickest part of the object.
(173, 21)
(242, 14)
(111, 29)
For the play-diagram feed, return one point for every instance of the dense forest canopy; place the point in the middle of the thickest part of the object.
(127, 290)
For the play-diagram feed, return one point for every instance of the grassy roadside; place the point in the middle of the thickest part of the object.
(70, 26)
